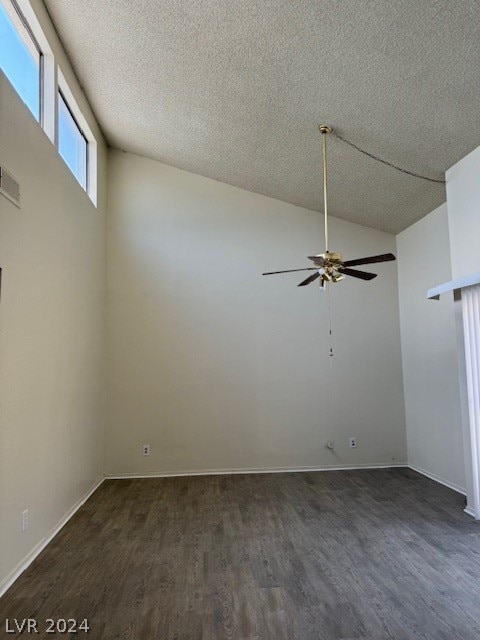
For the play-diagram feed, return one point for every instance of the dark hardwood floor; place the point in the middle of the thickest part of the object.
(319, 556)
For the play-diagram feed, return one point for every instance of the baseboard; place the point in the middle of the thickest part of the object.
(432, 476)
(27, 561)
(251, 470)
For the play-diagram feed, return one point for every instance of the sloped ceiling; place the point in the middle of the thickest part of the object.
(234, 90)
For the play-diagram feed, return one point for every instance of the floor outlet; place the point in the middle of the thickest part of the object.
(25, 520)
(146, 450)
(353, 443)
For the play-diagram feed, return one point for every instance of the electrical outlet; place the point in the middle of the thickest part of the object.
(24, 523)
(330, 444)
(353, 443)
(146, 450)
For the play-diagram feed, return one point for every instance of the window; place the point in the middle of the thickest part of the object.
(20, 56)
(75, 140)
(28, 62)
(72, 144)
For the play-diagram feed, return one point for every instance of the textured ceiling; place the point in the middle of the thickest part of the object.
(234, 90)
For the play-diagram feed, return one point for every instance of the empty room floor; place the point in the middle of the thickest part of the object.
(333, 555)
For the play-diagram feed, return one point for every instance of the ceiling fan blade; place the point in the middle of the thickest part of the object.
(384, 257)
(309, 279)
(363, 275)
(271, 273)
(317, 259)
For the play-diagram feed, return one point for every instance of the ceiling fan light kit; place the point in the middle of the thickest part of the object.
(330, 266)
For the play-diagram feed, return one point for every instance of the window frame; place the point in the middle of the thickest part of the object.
(48, 78)
(13, 6)
(91, 169)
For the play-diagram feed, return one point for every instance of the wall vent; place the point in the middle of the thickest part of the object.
(9, 187)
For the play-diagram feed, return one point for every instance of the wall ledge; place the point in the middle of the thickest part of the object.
(453, 285)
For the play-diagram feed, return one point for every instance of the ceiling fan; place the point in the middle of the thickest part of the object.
(330, 266)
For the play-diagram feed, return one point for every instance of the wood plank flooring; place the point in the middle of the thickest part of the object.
(374, 554)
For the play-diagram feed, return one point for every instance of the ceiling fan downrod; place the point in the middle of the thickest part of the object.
(331, 261)
(325, 130)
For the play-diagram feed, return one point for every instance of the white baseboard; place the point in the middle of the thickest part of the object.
(470, 512)
(27, 561)
(432, 476)
(251, 470)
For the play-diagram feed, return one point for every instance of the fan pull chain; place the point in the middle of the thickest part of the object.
(330, 335)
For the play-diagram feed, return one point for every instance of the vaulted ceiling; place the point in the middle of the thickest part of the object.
(234, 90)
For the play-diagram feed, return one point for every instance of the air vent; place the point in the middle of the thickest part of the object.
(9, 187)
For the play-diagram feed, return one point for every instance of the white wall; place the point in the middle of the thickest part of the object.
(52, 390)
(429, 352)
(218, 367)
(463, 197)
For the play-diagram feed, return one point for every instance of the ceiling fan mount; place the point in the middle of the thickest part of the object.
(324, 128)
(330, 266)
